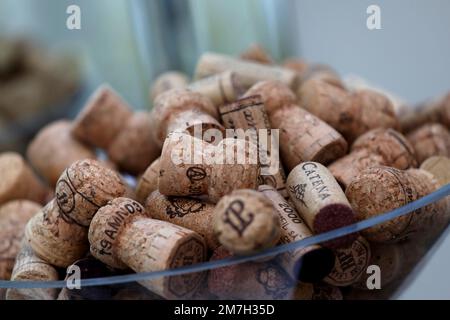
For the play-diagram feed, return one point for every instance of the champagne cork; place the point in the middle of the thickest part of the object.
(166, 81)
(121, 232)
(14, 215)
(432, 139)
(249, 114)
(323, 73)
(221, 88)
(54, 149)
(190, 213)
(245, 221)
(84, 187)
(29, 267)
(255, 52)
(102, 118)
(148, 182)
(249, 72)
(18, 181)
(385, 147)
(379, 190)
(309, 264)
(196, 172)
(320, 200)
(351, 263)
(439, 167)
(305, 137)
(56, 238)
(181, 109)
(133, 149)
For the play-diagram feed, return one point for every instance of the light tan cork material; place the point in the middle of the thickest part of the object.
(29, 267)
(148, 182)
(379, 190)
(166, 81)
(249, 114)
(56, 238)
(134, 149)
(54, 148)
(102, 118)
(249, 72)
(322, 72)
(351, 263)
(182, 110)
(308, 264)
(122, 231)
(304, 136)
(190, 213)
(439, 167)
(221, 88)
(296, 64)
(245, 221)
(84, 187)
(256, 53)
(320, 200)
(385, 147)
(18, 180)
(14, 215)
(431, 139)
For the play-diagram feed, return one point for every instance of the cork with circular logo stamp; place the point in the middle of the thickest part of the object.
(121, 232)
(432, 139)
(166, 81)
(148, 182)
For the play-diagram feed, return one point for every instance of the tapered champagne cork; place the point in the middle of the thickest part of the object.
(84, 187)
(255, 52)
(385, 147)
(102, 118)
(320, 200)
(133, 149)
(120, 234)
(148, 182)
(182, 109)
(249, 72)
(350, 265)
(18, 181)
(439, 167)
(432, 139)
(54, 149)
(192, 167)
(245, 221)
(29, 267)
(309, 264)
(56, 238)
(14, 215)
(190, 213)
(249, 114)
(221, 88)
(166, 81)
(381, 189)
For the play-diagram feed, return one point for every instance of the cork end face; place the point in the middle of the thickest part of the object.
(314, 265)
(335, 149)
(11, 167)
(166, 81)
(274, 95)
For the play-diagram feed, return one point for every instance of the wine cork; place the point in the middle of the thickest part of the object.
(102, 118)
(385, 147)
(305, 137)
(166, 81)
(323, 73)
(221, 88)
(190, 213)
(249, 114)
(439, 167)
(317, 291)
(192, 167)
(320, 200)
(309, 264)
(56, 238)
(84, 187)
(148, 182)
(14, 215)
(379, 190)
(29, 267)
(351, 263)
(121, 232)
(182, 109)
(432, 139)
(245, 221)
(255, 52)
(296, 64)
(133, 149)
(18, 180)
(54, 149)
(249, 72)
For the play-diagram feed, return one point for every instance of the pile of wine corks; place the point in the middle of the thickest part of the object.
(343, 158)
